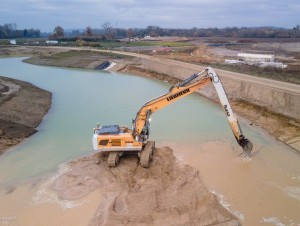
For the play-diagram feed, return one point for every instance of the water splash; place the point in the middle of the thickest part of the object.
(273, 220)
(226, 205)
(44, 195)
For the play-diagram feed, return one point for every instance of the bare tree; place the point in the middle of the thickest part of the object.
(89, 31)
(108, 29)
(296, 30)
(58, 32)
(130, 33)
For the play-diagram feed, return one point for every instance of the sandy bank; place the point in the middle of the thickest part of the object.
(168, 193)
(22, 108)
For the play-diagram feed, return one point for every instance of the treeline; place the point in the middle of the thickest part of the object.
(235, 32)
(11, 31)
(108, 31)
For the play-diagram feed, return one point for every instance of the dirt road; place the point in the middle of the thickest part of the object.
(287, 87)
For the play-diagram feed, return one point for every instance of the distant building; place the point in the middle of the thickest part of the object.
(13, 42)
(51, 42)
(256, 57)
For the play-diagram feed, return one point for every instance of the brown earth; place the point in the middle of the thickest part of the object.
(167, 193)
(22, 108)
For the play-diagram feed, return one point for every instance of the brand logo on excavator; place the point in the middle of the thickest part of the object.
(178, 94)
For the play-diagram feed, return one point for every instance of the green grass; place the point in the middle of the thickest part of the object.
(84, 53)
(4, 42)
(114, 44)
(159, 43)
(111, 44)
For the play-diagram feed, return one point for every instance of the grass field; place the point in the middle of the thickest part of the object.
(87, 53)
(114, 44)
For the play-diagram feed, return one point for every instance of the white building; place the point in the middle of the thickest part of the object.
(51, 42)
(13, 42)
(256, 57)
(259, 59)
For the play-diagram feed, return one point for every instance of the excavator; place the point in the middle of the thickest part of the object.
(117, 140)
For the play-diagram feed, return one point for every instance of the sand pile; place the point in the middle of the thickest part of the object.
(168, 193)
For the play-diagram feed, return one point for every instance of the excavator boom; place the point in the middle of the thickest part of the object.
(232, 119)
(180, 90)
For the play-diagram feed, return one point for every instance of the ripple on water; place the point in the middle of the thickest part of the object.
(293, 192)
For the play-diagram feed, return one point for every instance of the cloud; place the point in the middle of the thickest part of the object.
(46, 14)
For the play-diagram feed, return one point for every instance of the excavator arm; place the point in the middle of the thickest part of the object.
(180, 90)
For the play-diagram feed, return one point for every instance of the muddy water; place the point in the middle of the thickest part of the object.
(264, 189)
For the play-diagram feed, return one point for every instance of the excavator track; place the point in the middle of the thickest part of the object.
(146, 154)
(113, 159)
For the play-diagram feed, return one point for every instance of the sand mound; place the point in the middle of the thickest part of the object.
(168, 193)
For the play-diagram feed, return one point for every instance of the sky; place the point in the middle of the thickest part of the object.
(70, 14)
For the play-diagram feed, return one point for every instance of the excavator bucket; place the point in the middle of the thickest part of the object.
(247, 146)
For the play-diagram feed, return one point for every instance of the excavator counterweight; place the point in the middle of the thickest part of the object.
(117, 140)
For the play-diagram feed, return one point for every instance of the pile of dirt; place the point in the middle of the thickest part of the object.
(22, 108)
(167, 193)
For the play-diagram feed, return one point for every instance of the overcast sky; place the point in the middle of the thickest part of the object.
(46, 14)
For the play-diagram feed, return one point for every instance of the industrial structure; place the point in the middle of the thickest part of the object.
(257, 58)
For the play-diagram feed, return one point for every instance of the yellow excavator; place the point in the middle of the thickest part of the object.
(117, 140)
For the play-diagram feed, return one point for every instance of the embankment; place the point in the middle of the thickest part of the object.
(22, 108)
